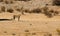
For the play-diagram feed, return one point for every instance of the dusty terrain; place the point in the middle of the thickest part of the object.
(38, 24)
(30, 24)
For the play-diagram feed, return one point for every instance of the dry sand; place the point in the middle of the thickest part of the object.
(35, 23)
(38, 24)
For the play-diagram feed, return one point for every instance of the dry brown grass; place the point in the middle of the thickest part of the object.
(23, 0)
(3, 8)
(10, 10)
(56, 2)
(58, 31)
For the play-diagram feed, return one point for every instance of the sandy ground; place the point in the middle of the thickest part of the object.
(38, 23)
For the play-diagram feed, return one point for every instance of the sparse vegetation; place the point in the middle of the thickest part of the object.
(46, 23)
(23, 0)
(48, 34)
(13, 34)
(3, 8)
(56, 13)
(26, 30)
(18, 9)
(27, 34)
(56, 2)
(26, 10)
(30, 24)
(5, 31)
(46, 12)
(8, 2)
(37, 10)
(11, 2)
(58, 31)
(52, 11)
(10, 10)
(1, 0)
(33, 33)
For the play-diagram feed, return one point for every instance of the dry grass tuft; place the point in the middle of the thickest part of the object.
(13, 34)
(26, 30)
(10, 10)
(56, 2)
(37, 10)
(48, 34)
(23, 0)
(58, 31)
(3, 8)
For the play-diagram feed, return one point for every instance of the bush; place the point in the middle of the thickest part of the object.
(56, 12)
(56, 2)
(18, 9)
(11, 2)
(48, 14)
(3, 8)
(23, 0)
(10, 10)
(26, 10)
(8, 2)
(52, 11)
(36, 10)
(1, 0)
